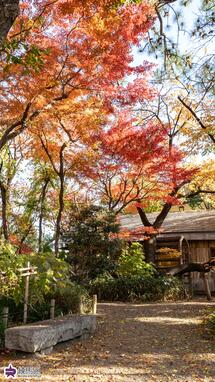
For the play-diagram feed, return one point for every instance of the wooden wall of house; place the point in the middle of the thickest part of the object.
(200, 252)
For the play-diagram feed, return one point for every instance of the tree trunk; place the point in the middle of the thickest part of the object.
(4, 211)
(150, 244)
(59, 216)
(9, 10)
(162, 216)
(150, 249)
(43, 196)
(61, 175)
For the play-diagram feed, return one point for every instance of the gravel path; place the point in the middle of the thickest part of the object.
(149, 342)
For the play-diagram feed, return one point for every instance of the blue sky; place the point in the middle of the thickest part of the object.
(186, 43)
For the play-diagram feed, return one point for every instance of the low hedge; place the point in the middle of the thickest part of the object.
(137, 288)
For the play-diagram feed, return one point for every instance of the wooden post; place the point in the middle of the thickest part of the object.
(81, 306)
(94, 303)
(5, 316)
(27, 272)
(26, 296)
(207, 287)
(52, 309)
(190, 284)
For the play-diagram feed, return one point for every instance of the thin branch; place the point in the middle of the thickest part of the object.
(196, 118)
(49, 155)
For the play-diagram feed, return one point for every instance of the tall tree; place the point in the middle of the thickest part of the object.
(188, 63)
(90, 237)
(139, 162)
(9, 10)
(61, 69)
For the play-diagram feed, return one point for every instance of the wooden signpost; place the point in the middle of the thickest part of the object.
(27, 272)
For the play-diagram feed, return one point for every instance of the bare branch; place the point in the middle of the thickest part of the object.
(196, 118)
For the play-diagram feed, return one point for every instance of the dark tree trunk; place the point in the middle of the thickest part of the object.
(59, 216)
(150, 249)
(150, 244)
(61, 175)
(162, 216)
(143, 217)
(4, 211)
(9, 10)
(43, 196)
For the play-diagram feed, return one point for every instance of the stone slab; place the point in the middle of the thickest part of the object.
(35, 337)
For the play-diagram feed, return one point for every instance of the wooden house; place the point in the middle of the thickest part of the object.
(195, 230)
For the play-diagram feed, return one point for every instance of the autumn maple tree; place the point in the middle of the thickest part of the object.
(136, 164)
(77, 113)
(67, 66)
(62, 79)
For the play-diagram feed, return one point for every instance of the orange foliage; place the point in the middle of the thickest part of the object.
(24, 249)
(80, 82)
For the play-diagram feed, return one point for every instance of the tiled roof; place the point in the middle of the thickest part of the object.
(201, 222)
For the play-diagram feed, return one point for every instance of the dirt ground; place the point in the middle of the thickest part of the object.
(149, 342)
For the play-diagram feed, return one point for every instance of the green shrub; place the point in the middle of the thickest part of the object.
(90, 237)
(69, 298)
(39, 311)
(210, 323)
(136, 288)
(10, 262)
(2, 335)
(131, 261)
(67, 301)
(52, 274)
(51, 281)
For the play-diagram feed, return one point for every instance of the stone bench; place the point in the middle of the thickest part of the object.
(43, 335)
